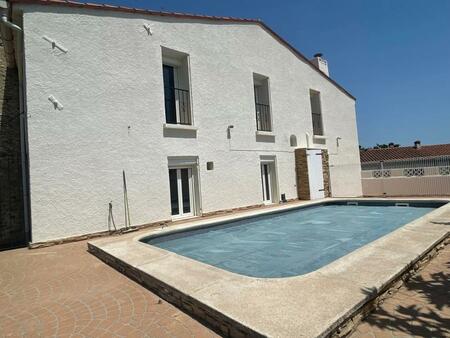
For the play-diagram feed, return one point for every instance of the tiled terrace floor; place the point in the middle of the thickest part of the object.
(64, 291)
(421, 308)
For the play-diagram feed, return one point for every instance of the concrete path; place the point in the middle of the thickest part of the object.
(64, 291)
(421, 308)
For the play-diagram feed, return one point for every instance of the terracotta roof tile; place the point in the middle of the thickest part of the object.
(403, 153)
(107, 7)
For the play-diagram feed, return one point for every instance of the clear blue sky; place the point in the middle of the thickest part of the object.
(393, 55)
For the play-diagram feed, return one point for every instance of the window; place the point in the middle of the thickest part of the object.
(177, 103)
(262, 103)
(316, 111)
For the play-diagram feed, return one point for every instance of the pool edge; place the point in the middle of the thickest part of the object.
(348, 323)
(212, 318)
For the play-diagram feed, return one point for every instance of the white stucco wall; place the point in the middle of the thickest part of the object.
(111, 78)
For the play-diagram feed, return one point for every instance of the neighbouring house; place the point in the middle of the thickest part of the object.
(197, 114)
(418, 170)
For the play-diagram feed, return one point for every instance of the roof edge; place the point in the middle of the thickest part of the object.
(69, 3)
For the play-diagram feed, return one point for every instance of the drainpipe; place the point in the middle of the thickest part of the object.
(4, 21)
(6, 28)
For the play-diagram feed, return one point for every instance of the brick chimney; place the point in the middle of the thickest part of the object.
(320, 63)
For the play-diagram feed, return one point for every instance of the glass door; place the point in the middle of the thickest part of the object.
(266, 182)
(181, 197)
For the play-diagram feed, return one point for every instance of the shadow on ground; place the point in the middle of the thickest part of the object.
(427, 317)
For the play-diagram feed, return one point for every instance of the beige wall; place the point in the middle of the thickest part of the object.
(407, 186)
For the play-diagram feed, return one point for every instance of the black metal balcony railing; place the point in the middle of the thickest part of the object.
(263, 122)
(177, 105)
(317, 124)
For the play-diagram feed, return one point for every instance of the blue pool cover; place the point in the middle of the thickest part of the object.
(289, 243)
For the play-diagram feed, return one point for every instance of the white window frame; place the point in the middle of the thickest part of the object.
(181, 213)
(273, 178)
(315, 91)
(191, 163)
(176, 64)
(257, 83)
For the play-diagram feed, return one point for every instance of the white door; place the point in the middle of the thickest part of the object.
(181, 192)
(315, 174)
(266, 180)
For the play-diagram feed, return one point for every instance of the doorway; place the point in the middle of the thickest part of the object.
(315, 174)
(269, 182)
(182, 197)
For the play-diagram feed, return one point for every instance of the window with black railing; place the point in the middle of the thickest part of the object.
(263, 117)
(262, 106)
(317, 124)
(177, 106)
(316, 112)
(177, 103)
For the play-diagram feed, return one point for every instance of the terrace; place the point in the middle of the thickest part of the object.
(48, 292)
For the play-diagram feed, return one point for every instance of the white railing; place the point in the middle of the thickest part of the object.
(420, 176)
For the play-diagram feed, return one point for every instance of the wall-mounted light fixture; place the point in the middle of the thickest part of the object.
(229, 131)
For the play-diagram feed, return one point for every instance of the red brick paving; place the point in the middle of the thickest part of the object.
(421, 308)
(64, 291)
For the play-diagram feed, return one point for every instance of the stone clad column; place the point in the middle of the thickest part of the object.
(326, 173)
(302, 177)
(301, 170)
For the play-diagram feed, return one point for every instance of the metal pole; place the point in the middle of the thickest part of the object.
(125, 202)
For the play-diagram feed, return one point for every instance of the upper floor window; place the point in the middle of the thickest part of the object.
(316, 112)
(262, 103)
(177, 102)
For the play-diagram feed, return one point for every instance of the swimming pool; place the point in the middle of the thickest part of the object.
(290, 243)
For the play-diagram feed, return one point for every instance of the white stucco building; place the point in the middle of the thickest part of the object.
(202, 113)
